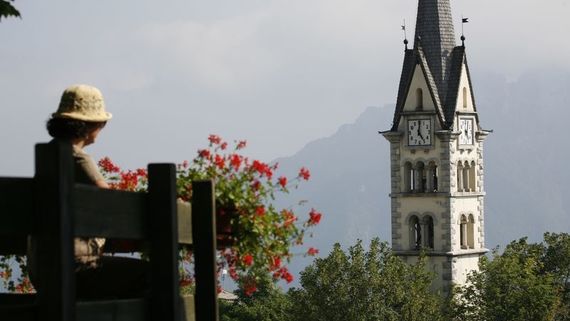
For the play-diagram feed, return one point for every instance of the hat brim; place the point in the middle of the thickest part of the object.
(90, 118)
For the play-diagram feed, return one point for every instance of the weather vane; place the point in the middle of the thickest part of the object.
(405, 35)
(463, 21)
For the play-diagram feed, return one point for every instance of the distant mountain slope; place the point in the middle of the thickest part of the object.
(527, 178)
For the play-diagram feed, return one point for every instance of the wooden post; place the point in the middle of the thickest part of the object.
(204, 233)
(52, 196)
(163, 228)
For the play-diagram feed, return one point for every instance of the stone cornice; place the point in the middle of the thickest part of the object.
(392, 136)
(427, 252)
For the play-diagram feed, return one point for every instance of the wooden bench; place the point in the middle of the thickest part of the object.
(54, 209)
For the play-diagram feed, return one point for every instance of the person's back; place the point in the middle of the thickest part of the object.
(78, 121)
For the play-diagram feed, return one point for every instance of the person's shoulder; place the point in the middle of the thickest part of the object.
(80, 153)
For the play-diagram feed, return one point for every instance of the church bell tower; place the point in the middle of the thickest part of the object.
(436, 152)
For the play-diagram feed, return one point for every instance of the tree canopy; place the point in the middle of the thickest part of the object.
(528, 281)
(7, 9)
(364, 285)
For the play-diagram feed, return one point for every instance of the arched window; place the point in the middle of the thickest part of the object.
(471, 232)
(419, 99)
(432, 175)
(464, 97)
(463, 232)
(466, 184)
(415, 233)
(428, 235)
(460, 177)
(408, 177)
(420, 178)
(472, 181)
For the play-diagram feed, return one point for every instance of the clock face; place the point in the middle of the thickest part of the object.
(466, 129)
(419, 132)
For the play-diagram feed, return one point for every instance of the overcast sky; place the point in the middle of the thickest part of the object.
(278, 73)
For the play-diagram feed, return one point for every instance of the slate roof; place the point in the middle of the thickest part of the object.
(434, 29)
(435, 52)
(453, 81)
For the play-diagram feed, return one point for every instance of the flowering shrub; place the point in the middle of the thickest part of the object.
(263, 234)
(15, 281)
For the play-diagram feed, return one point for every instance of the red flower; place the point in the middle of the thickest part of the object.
(141, 172)
(186, 282)
(224, 146)
(260, 211)
(219, 161)
(129, 181)
(284, 274)
(276, 263)
(250, 289)
(262, 169)
(304, 173)
(215, 139)
(247, 260)
(241, 144)
(288, 277)
(256, 185)
(312, 251)
(204, 153)
(283, 181)
(235, 161)
(233, 273)
(108, 166)
(290, 218)
(314, 217)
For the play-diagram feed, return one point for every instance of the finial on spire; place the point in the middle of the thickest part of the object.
(463, 21)
(405, 35)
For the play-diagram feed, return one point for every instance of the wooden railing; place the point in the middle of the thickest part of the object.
(55, 210)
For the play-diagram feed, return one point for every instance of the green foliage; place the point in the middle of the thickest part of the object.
(268, 303)
(556, 258)
(362, 286)
(525, 282)
(8, 10)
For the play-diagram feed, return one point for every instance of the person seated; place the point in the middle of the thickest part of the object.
(79, 119)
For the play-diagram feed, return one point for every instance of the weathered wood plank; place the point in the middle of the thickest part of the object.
(123, 310)
(109, 213)
(16, 205)
(54, 223)
(187, 308)
(163, 221)
(184, 211)
(16, 299)
(20, 307)
(204, 231)
(19, 313)
(119, 214)
(13, 245)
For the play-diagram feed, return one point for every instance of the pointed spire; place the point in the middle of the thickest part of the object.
(434, 29)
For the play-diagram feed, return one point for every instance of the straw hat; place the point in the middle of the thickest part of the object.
(82, 102)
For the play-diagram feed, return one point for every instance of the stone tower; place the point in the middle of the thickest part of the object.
(436, 151)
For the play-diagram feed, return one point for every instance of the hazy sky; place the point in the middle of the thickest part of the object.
(278, 73)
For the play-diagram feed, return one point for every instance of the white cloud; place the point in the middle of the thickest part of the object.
(222, 54)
